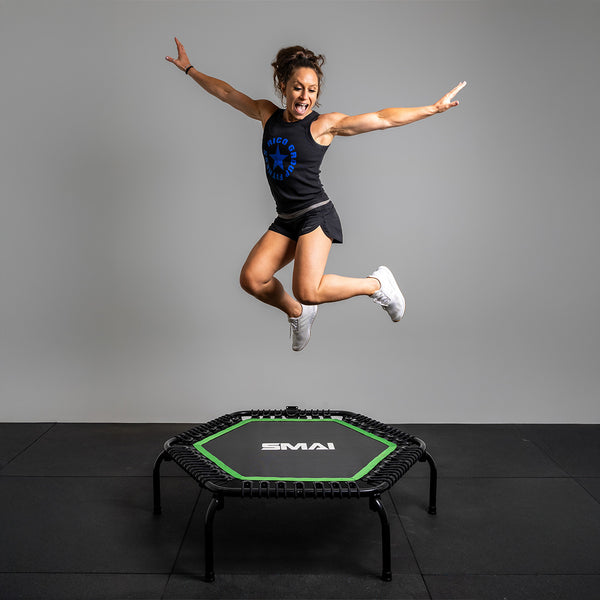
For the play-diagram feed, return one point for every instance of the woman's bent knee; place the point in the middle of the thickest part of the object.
(252, 284)
(307, 296)
(248, 283)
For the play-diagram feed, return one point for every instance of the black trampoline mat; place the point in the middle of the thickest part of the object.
(295, 450)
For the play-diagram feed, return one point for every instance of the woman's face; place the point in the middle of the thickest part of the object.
(301, 93)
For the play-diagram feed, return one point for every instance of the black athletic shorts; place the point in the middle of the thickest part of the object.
(324, 216)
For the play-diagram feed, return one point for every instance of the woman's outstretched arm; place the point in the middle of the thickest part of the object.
(260, 110)
(340, 124)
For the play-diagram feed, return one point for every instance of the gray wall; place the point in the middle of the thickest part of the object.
(130, 199)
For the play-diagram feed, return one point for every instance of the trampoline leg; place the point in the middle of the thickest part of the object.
(376, 505)
(209, 565)
(156, 481)
(432, 510)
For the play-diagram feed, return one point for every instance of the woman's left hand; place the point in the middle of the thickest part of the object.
(447, 101)
(182, 62)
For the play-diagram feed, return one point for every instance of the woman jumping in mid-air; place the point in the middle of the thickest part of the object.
(295, 139)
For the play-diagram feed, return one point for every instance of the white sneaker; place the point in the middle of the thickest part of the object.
(388, 295)
(300, 326)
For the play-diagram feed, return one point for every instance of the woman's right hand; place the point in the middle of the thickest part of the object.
(182, 61)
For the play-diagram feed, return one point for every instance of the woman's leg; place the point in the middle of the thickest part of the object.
(272, 252)
(310, 283)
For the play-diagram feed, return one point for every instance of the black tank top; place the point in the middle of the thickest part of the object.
(293, 162)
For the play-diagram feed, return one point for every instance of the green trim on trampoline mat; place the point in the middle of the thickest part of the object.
(199, 445)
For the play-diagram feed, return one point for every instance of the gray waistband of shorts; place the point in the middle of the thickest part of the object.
(299, 213)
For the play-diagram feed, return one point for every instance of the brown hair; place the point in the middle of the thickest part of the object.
(292, 58)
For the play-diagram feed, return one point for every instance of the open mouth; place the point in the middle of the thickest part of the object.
(301, 107)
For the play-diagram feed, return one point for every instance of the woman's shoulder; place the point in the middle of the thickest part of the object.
(331, 117)
(323, 126)
(267, 110)
(327, 122)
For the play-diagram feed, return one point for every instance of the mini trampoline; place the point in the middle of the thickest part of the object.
(295, 453)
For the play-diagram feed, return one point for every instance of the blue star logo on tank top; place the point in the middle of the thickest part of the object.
(279, 164)
(278, 159)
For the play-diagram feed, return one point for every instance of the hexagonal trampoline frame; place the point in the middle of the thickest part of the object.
(382, 474)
